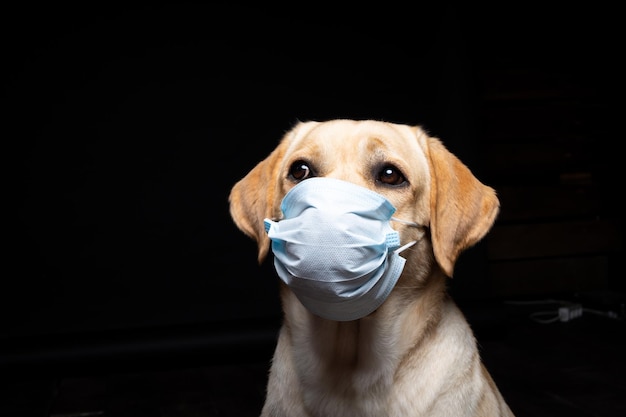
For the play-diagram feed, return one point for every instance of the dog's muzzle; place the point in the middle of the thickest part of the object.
(335, 247)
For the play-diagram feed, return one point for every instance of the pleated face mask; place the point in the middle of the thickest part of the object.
(335, 247)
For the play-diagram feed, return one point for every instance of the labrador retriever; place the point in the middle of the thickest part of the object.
(414, 354)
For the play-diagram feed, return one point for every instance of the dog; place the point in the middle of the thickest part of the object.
(415, 354)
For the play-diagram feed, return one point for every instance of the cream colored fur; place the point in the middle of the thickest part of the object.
(415, 355)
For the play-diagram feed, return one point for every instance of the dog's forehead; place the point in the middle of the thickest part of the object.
(365, 137)
(356, 151)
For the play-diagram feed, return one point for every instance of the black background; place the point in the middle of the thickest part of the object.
(127, 124)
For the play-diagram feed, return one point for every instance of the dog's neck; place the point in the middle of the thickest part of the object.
(370, 346)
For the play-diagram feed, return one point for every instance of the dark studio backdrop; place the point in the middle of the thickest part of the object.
(126, 125)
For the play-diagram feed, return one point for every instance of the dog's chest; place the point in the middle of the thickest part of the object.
(345, 371)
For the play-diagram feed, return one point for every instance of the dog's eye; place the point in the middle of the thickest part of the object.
(390, 175)
(300, 170)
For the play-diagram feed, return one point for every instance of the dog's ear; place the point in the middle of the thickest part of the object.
(462, 208)
(256, 196)
(253, 198)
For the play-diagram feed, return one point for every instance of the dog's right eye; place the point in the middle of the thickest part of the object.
(390, 175)
(300, 170)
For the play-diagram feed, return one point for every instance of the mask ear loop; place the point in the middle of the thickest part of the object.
(411, 243)
(407, 222)
(406, 246)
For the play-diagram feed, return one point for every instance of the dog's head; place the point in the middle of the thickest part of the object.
(425, 182)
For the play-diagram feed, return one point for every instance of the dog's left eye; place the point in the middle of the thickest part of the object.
(300, 170)
(390, 175)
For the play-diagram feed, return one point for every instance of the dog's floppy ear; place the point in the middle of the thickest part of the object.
(462, 208)
(252, 199)
(255, 197)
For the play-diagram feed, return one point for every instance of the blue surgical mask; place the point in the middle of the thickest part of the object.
(335, 247)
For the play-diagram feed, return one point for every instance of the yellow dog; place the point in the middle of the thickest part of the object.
(414, 354)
